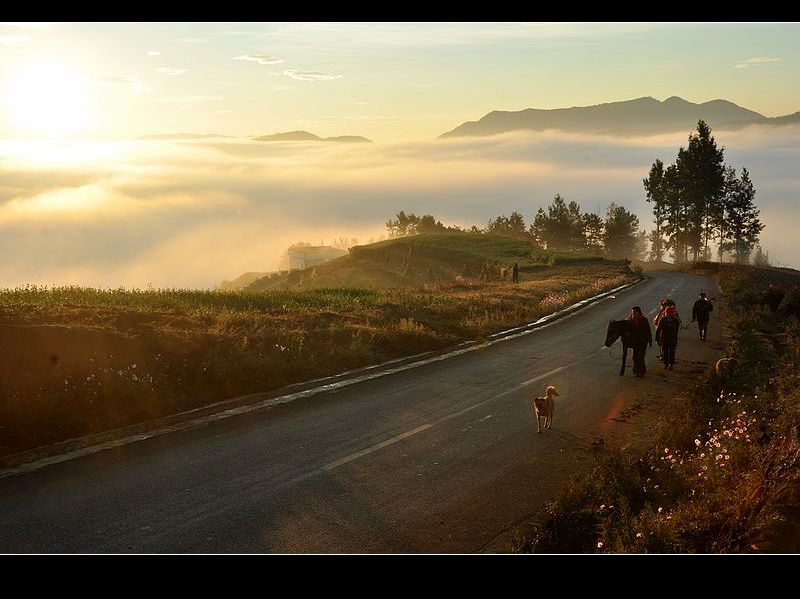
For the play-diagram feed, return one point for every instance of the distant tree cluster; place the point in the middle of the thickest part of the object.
(562, 227)
(411, 224)
(699, 199)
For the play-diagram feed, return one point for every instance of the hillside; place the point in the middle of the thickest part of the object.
(241, 281)
(640, 116)
(431, 258)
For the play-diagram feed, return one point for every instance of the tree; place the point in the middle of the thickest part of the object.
(593, 232)
(760, 258)
(655, 187)
(411, 224)
(561, 228)
(508, 226)
(428, 224)
(621, 232)
(701, 176)
(677, 215)
(741, 216)
(402, 225)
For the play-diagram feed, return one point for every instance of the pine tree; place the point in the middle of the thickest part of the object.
(621, 232)
(701, 178)
(743, 226)
(655, 188)
(593, 232)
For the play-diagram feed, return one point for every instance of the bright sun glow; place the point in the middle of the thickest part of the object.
(47, 98)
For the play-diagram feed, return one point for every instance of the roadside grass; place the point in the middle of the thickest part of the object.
(80, 360)
(723, 461)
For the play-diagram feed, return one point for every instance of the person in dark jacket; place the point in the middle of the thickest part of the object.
(515, 273)
(701, 312)
(667, 335)
(641, 338)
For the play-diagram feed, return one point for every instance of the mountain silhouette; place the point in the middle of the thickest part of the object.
(306, 136)
(639, 116)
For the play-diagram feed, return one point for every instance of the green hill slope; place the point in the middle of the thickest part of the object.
(425, 259)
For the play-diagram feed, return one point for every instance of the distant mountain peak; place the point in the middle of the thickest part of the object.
(640, 116)
(290, 136)
(307, 136)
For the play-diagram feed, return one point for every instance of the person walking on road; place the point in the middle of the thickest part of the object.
(701, 312)
(667, 335)
(641, 338)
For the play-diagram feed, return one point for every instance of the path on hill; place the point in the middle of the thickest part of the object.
(438, 459)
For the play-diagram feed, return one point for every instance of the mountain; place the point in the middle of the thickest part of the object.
(306, 136)
(640, 116)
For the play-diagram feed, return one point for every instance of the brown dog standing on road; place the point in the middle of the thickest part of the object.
(543, 408)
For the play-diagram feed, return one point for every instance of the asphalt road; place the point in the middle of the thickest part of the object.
(443, 458)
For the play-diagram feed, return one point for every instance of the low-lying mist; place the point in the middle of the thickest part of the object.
(191, 214)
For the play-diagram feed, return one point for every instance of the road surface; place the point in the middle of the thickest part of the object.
(443, 458)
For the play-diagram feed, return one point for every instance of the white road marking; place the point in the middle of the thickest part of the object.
(376, 447)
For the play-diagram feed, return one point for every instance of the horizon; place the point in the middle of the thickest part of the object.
(85, 200)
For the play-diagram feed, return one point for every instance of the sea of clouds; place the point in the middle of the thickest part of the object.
(191, 214)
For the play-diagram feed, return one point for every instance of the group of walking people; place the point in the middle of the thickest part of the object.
(667, 323)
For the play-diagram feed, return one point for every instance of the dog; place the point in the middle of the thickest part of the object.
(725, 368)
(543, 408)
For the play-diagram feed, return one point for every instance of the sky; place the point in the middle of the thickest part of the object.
(84, 201)
(386, 81)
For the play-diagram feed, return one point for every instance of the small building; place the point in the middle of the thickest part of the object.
(304, 257)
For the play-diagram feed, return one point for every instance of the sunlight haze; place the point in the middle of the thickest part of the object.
(128, 157)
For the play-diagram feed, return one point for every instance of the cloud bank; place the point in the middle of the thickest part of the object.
(755, 61)
(310, 75)
(191, 214)
(259, 58)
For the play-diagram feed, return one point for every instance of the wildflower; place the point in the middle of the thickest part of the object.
(697, 442)
(666, 450)
(660, 509)
(133, 365)
(638, 535)
(599, 544)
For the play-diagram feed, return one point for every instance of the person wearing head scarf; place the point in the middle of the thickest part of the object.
(641, 338)
(667, 335)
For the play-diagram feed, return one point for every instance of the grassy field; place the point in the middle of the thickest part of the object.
(429, 258)
(723, 474)
(75, 360)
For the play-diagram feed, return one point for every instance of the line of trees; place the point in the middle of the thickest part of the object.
(561, 227)
(700, 199)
